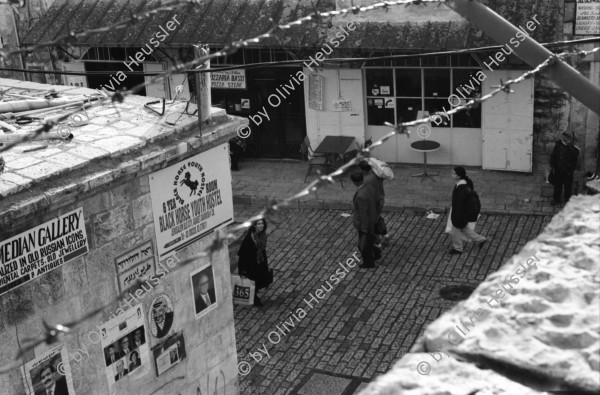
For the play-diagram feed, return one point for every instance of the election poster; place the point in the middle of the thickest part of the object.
(39, 250)
(125, 347)
(136, 264)
(169, 353)
(191, 199)
(49, 373)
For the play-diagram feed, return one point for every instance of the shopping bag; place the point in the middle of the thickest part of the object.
(381, 169)
(243, 290)
(449, 223)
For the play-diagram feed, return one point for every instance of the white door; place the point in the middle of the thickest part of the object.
(507, 127)
(159, 89)
(74, 80)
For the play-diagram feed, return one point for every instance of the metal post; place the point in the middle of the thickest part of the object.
(203, 97)
(530, 51)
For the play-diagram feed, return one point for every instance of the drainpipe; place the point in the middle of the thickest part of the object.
(203, 97)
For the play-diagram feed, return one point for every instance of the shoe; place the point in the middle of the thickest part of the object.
(482, 243)
(454, 252)
(363, 266)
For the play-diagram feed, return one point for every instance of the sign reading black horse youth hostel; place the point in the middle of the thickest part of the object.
(190, 199)
(41, 249)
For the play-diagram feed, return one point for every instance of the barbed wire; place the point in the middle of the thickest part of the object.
(52, 332)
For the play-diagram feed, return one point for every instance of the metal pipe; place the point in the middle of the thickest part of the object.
(530, 51)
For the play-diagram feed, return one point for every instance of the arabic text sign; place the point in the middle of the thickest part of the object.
(587, 21)
(230, 79)
(190, 199)
(137, 263)
(37, 251)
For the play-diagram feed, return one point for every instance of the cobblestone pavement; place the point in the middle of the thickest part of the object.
(259, 181)
(371, 317)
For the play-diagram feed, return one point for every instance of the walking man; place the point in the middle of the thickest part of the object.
(364, 216)
(563, 160)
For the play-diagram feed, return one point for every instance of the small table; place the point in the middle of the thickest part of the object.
(334, 145)
(425, 146)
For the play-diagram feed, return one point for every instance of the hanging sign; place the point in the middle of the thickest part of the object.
(342, 105)
(230, 79)
(190, 199)
(587, 20)
(315, 92)
(41, 249)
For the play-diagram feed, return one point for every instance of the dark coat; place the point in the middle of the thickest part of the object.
(377, 184)
(459, 215)
(118, 356)
(365, 212)
(563, 158)
(248, 263)
(60, 388)
(200, 304)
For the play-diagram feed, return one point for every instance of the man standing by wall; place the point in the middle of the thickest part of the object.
(364, 217)
(563, 160)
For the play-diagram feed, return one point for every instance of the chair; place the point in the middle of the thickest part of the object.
(310, 150)
(318, 161)
(333, 166)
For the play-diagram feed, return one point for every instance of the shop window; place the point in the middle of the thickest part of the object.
(378, 113)
(437, 82)
(408, 82)
(407, 109)
(379, 82)
(466, 86)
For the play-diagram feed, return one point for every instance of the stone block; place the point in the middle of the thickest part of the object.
(112, 224)
(17, 304)
(142, 211)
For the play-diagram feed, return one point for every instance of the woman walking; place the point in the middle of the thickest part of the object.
(459, 215)
(252, 255)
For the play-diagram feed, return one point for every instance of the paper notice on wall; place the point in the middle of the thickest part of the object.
(136, 264)
(41, 249)
(191, 199)
(126, 351)
(587, 20)
(50, 371)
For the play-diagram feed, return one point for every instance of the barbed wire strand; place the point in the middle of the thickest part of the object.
(53, 332)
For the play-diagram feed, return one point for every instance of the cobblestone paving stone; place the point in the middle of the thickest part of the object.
(372, 317)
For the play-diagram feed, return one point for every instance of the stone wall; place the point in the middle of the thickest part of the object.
(118, 216)
(532, 326)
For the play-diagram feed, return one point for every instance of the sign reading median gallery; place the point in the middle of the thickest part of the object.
(41, 249)
(191, 199)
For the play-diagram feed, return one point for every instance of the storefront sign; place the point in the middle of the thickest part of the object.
(135, 264)
(190, 199)
(587, 21)
(230, 79)
(39, 250)
(315, 92)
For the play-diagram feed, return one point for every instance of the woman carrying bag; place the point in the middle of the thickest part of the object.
(252, 255)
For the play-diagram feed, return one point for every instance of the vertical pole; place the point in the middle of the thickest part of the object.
(203, 97)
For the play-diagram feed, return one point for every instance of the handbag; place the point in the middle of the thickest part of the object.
(380, 227)
(243, 290)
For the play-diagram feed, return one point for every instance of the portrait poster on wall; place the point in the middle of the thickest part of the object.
(191, 199)
(169, 353)
(161, 316)
(203, 290)
(39, 250)
(49, 372)
(125, 347)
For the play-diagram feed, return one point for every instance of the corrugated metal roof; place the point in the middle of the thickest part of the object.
(218, 22)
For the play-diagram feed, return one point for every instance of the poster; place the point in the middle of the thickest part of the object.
(587, 18)
(161, 316)
(169, 353)
(342, 105)
(41, 249)
(229, 79)
(390, 102)
(51, 371)
(125, 347)
(385, 90)
(191, 199)
(245, 104)
(203, 290)
(137, 263)
(315, 92)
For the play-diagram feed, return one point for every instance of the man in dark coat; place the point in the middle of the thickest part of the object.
(112, 355)
(370, 178)
(204, 296)
(51, 385)
(563, 161)
(364, 217)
